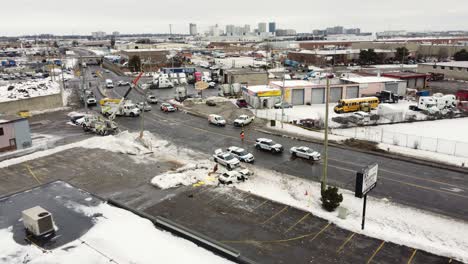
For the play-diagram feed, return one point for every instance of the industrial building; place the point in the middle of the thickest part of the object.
(148, 55)
(261, 96)
(321, 57)
(370, 85)
(245, 77)
(14, 133)
(457, 70)
(413, 80)
(299, 92)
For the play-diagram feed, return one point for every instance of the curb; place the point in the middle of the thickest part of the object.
(430, 163)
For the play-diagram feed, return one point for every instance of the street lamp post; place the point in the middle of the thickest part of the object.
(323, 183)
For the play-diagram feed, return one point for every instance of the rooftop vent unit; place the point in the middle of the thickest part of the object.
(38, 221)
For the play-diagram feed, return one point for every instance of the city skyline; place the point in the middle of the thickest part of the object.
(368, 15)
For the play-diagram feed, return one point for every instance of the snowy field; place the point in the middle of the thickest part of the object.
(227, 63)
(137, 241)
(447, 136)
(11, 91)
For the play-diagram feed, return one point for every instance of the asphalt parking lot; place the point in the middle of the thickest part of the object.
(270, 232)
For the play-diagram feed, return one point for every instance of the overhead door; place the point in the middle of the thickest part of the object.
(412, 83)
(392, 87)
(352, 92)
(318, 95)
(335, 94)
(298, 97)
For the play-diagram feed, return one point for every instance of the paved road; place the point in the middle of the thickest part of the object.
(424, 187)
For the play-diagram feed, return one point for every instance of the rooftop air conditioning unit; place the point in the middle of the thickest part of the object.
(38, 221)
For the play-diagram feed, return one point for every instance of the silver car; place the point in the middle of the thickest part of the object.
(305, 152)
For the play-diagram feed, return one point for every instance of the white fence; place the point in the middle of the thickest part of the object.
(274, 115)
(451, 147)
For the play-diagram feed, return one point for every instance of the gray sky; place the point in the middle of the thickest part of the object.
(154, 16)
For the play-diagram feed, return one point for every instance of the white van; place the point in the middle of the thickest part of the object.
(109, 83)
(216, 120)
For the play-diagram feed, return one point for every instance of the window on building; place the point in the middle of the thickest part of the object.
(434, 66)
(460, 68)
(1, 131)
(451, 68)
(442, 67)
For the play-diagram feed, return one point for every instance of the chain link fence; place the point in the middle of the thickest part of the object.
(439, 145)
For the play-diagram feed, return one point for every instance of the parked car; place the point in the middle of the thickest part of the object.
(230, 177)
(216, 120)
(282, 105)
(269, 145)
(226, 159)
(166, 107)
(152, 99)
(241, 103)
(360, 117)
(305, 152)
(76, 117)
(243, 120)
(144, 106)
(241, 154)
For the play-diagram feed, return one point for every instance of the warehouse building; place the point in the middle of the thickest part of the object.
(370, 85)
(14, 133)
(153, 56)
(299, 92)
(413, 80)
(457, 70)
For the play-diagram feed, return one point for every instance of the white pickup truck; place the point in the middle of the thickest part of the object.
(243, 120)
(128, 109)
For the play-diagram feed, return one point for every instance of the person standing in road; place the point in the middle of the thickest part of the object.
(242, 135)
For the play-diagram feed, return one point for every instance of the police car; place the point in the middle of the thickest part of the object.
(241, 154)
(269, 145)
(226, 159)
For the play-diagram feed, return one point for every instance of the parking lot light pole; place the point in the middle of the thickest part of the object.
(323, 183)
(282, 101)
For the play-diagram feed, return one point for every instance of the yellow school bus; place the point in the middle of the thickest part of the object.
(109, 100)
(356, 104)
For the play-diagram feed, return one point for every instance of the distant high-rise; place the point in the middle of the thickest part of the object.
(115, 33)
(246, 29)
(193, 29)
(335, 30)
(230, 30)
(355, 31)
(272, 27)
(262, 27)
(98, 34)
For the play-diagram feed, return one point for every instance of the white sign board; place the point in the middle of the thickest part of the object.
(369, 178)
(366, 180)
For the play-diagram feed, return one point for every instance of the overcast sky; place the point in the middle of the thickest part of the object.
(154, 16)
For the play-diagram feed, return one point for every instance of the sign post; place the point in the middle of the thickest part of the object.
(366, 180)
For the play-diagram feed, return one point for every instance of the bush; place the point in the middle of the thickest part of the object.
(331, 199)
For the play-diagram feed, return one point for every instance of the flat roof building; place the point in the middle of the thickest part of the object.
(457, 70)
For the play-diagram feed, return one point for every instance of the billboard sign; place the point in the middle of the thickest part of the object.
(366, 180)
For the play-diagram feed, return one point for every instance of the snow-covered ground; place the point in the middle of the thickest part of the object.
(447, 136)
(137, 241)
(227, 63)
(385, 220)
(411, 152)
(12, 91)
(317, 111)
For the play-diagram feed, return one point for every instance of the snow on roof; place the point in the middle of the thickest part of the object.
(370, 79)
(340, 51)
(91, 231)
(293, 83)
(262, 88)
(463, 64)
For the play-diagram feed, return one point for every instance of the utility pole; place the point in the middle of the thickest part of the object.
(142, 116)
(282, 99)
(323, 183)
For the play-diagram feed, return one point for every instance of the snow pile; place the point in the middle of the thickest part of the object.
(186, 175)
(125, 143)
(27, 89)
(133, 243)
(384, 220)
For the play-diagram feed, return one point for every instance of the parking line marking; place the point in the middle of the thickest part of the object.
(346, 242)
(375, 252)
(300, 220)
(278, 240)
(32, 173)
(412, 256)
(216, 197)
(202, 191)
(264, 202)
(273, 216)
(243, 198)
